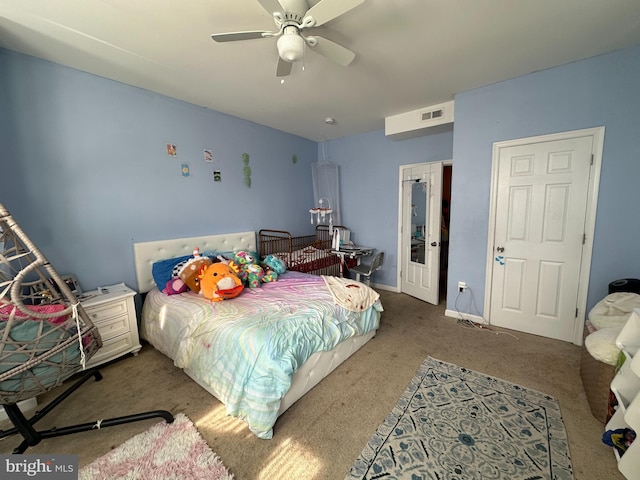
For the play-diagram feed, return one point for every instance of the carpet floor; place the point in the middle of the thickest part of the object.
(323, 433)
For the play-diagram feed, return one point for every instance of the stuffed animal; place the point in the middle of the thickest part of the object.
(249, 271)
(273, 267)
(274, 263)
(269, 276)
(191, 270)
(175, 286)
(220, 282)
(621, 439)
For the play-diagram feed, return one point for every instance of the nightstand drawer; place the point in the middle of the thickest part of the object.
(112, 348)
(100, 313)
(112, 327)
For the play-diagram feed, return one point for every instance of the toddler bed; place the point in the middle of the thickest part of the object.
(305, 253)
(259, 352)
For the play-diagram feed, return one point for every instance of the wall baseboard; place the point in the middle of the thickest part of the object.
(463, 316)
(385, 287)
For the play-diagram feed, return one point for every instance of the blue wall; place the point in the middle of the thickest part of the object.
(85, 170)
(89, 175)
(600, 91)
(370, 169)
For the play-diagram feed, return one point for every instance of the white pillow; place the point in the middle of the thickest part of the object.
(602, 345)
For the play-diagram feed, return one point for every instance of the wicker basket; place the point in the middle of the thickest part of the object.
(596, 379)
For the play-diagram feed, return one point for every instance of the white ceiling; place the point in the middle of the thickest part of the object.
(409, 53)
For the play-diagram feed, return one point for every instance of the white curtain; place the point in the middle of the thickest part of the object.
(326, 187)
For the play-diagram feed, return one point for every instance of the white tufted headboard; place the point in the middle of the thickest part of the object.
(146, 253)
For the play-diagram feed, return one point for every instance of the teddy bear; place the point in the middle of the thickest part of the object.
(219, 282)
(249, 271)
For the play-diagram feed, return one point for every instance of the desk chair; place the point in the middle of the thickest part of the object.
(367, 269)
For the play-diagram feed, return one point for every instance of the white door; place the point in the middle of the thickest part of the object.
(541, 201)
(420, 230)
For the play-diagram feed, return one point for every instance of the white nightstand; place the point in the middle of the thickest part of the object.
(114, 314)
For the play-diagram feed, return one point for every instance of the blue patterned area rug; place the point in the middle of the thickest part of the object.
(456, 424)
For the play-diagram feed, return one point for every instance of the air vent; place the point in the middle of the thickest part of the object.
(432, 114)
(434, 119)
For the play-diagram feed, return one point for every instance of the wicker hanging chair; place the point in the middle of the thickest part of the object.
(45, 337)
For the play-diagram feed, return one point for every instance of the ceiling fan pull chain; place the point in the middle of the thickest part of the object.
(304, 56)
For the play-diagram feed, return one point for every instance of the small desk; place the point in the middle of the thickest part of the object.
(347, 251)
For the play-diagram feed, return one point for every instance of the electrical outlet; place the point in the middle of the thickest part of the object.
(462, 286)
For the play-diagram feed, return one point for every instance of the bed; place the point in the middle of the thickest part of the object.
(281, 339)
(305, 253)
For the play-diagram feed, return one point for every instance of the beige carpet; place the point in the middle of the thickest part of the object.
(322, 434)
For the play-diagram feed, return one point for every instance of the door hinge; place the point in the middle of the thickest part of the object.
(584, 238)
(576, 313)
(592, 159)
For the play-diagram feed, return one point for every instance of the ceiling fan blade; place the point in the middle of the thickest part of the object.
(334, 52)
(326, 10)
(284, 68)
(271, 6)
(233, 36)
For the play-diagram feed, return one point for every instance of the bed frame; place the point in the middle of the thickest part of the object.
(282, 242)
(318, 366)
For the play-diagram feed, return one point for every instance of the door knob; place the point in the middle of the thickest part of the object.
(500, 249)
(434, 244)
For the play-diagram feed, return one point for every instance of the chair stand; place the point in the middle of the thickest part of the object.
(33, 437)
(367, 280)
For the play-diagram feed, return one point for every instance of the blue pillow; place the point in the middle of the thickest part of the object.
(162, 271)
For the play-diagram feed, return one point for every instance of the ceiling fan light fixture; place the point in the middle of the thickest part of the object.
(291, 47)
(291, 17)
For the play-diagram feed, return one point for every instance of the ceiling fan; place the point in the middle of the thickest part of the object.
(291, 17)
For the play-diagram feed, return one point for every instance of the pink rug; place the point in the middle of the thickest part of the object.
(165, 451)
